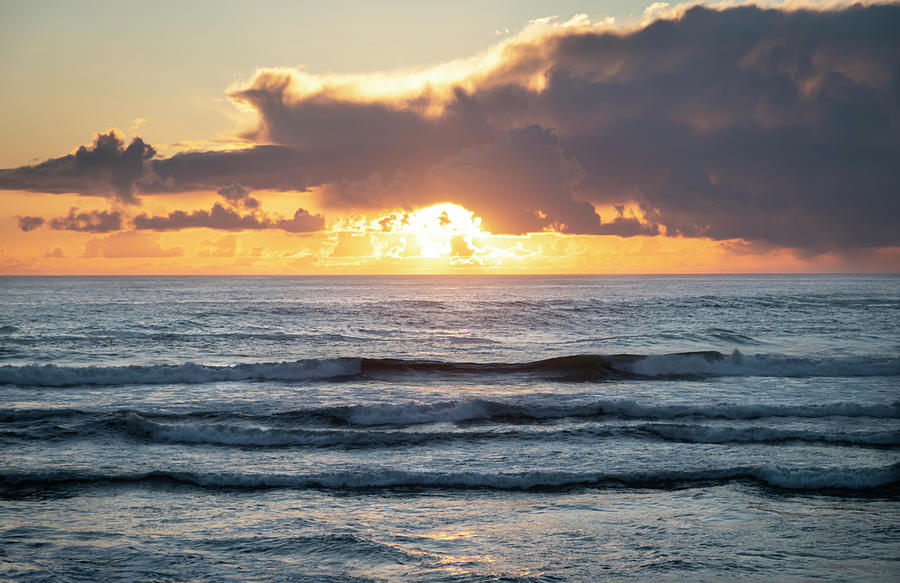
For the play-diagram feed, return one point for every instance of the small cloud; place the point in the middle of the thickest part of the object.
(106, 168)
(225, 247)
(350, 245)
(237, 195)
(136, 124)
(56, 253)
(579, 20)
(655, 8)
(129, 244)
(229, 219)
(29, 223)
(89, 222)
(543, 21)
(302, 222)
(387, 223)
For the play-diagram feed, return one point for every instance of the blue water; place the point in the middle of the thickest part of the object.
(456, 428)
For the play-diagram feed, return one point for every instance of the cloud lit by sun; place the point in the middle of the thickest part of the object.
(579, 145)
(440, 230)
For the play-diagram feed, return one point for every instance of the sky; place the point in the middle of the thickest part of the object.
(465, 137)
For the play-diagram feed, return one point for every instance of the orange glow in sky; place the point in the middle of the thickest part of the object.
(578, 143)
(440, 238)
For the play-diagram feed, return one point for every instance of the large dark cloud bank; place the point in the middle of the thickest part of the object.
(778, 127)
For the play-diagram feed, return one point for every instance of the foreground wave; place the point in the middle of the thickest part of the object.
(788, 478)
(475, 410)
(414, 424)
(574, 368)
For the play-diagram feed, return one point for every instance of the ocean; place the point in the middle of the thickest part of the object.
(450, 428)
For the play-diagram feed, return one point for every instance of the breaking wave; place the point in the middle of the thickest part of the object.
(707, 434)
(261, 436)
(50, 375)
(809, 478)
(475, 410)
(567, 368)
(411, 424)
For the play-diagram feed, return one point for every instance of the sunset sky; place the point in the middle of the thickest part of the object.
(465, 137)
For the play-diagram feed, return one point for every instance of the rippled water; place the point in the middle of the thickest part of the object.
(450, 428)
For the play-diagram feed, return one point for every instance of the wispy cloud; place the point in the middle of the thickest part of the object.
(129, 244)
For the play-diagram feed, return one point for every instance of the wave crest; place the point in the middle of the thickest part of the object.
(810, 478)
(50, 375)
(583, 367)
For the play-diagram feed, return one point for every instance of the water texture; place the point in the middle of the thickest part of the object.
(456, 428)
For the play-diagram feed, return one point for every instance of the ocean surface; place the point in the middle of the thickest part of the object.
(458, 428)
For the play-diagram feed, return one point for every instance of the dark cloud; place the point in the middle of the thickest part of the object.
(301, 222)
(266, 167)
(776, 127)
(238, 196)
(228, 219)
(627, 227)
(781, 131)
(89, 222)
(107, 168)
(320, 140)
(29, 223)
(521, 184)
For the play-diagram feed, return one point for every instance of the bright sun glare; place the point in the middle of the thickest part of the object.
(440, 230)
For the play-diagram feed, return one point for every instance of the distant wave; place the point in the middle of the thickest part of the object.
(241, 435)
(50, 375)
(809, 478)
(380, 425)
(467, 410)
(692, 433)
(567, 368)
(769, 365)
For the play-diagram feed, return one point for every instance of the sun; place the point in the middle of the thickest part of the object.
(440, 230)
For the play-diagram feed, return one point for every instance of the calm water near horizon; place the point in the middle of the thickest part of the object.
(450, 428)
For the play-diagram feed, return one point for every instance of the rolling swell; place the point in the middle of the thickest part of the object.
(846, 478)
(584, 367)
(413, 424)
(473, 409)
(243, 436)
